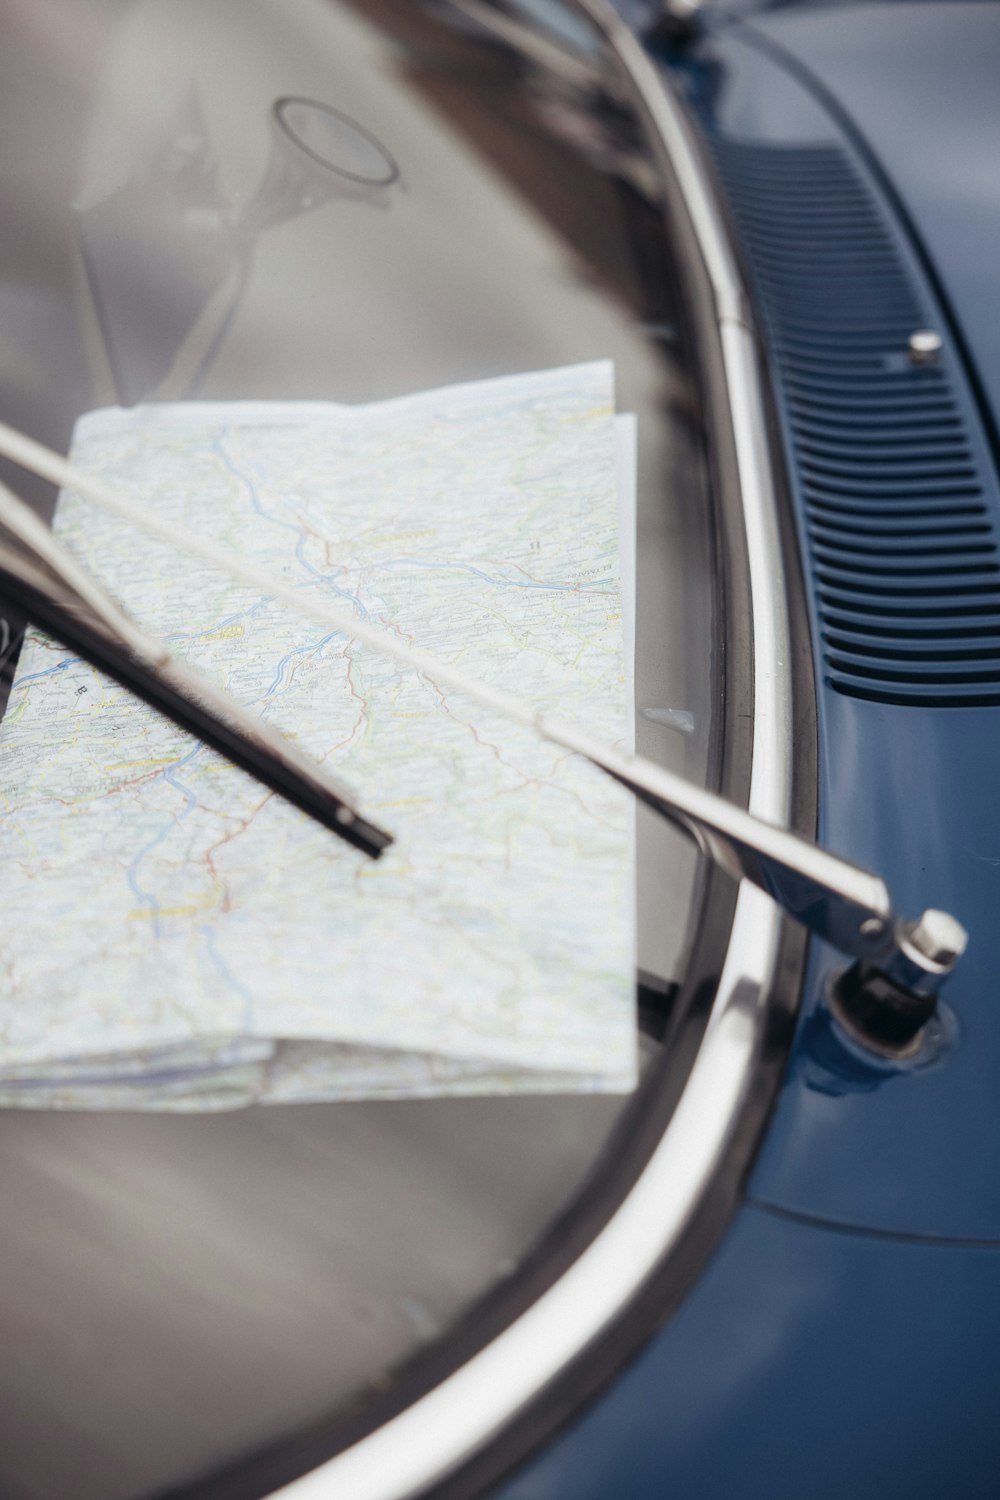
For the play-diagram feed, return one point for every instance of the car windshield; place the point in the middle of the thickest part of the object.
(305, 201)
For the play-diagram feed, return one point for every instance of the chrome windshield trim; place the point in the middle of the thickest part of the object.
(451, 1422)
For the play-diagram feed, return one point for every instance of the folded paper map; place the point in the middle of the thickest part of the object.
(178, 937)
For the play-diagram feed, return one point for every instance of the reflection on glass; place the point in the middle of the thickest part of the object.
(335, 142)
(167, 258)
(257, 1267)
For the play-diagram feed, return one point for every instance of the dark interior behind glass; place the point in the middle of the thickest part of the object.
(223, 199)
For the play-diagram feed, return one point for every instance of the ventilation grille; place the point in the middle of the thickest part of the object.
(897, 506)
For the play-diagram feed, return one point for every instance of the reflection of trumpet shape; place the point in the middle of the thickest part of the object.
(167, 258)
(317, 154)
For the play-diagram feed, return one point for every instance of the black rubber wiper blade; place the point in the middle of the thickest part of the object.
(58, 596)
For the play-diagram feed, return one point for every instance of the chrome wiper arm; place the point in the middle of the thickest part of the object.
(847, 906)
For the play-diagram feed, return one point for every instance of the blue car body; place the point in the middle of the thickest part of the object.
(844, 1338)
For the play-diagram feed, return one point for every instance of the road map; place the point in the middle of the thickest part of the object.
(178, 937)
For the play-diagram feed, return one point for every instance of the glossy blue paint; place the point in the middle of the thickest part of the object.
(809, 1364)
(909, 791)
(843, 1340)
(920, 84)
(918, 1152)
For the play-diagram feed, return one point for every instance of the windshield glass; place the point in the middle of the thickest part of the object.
(295, 203)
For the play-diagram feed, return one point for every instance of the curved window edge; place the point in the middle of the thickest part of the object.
(442, 1430)
(451, 1439)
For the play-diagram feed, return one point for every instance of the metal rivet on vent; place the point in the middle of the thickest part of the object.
(924, 346)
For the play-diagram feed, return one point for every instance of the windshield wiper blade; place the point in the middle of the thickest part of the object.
(63, 600)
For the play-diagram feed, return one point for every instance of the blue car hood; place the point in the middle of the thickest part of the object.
(912, 93)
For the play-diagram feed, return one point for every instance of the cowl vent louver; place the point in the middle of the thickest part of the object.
(897, 492)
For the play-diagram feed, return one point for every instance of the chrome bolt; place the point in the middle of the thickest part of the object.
(924, 346)
(938, 939)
